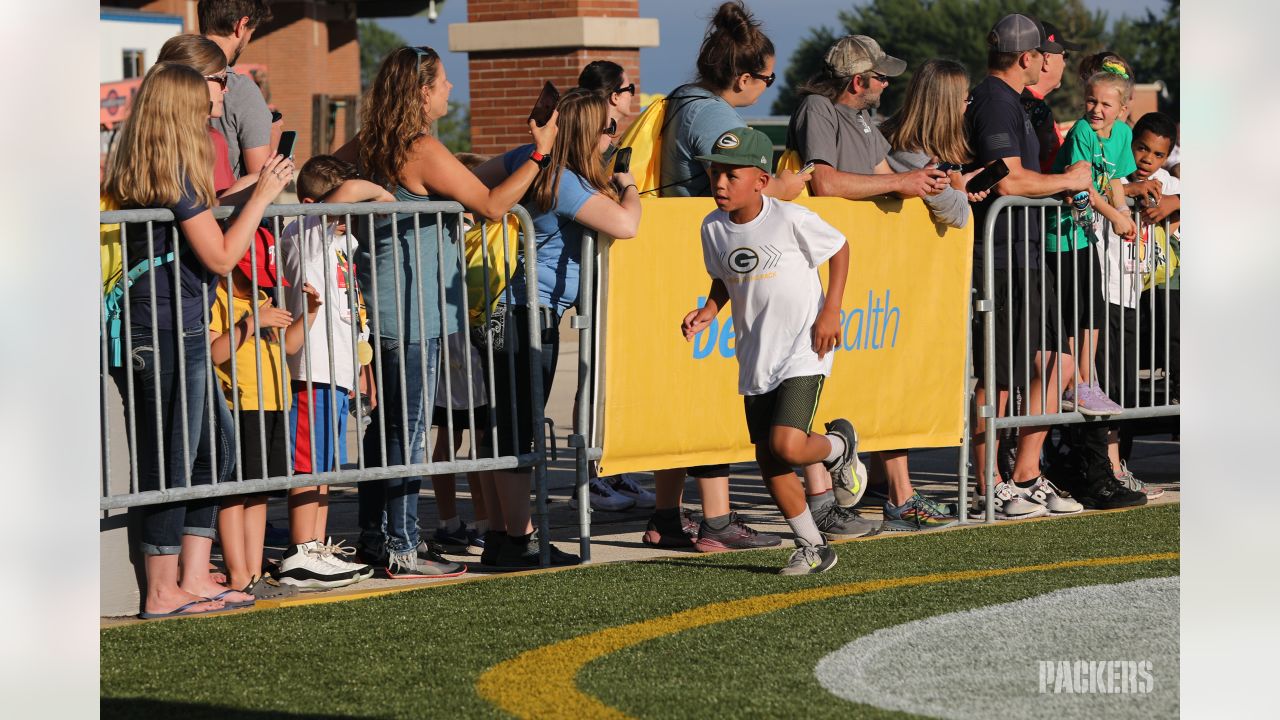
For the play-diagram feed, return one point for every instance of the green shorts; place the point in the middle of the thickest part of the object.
(792, 404)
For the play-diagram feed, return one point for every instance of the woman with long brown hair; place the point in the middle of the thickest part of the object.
(163, 159)
(573, 194)
(396, 149)
(927, 131)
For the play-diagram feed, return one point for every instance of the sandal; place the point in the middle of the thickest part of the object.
(182, 611)
(264, 588)
(231, 605)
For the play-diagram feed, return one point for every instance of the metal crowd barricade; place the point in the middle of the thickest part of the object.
(1142, 382)
(291, 224)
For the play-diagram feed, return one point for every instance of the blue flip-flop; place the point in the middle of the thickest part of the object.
(233, 605)
(179, 612)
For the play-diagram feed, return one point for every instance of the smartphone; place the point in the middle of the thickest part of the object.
(546, 104)
(808, 167)
(987, 179)
(287, 138)
(275, 116)
(622, 160)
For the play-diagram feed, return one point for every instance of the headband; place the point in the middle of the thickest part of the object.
(1115, 68)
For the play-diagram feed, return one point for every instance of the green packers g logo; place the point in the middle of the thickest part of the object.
(743, 260)
(728, 141)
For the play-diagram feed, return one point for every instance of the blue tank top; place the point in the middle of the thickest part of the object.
(407, 269)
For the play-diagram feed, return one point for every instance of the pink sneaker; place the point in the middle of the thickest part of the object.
(1091, 400)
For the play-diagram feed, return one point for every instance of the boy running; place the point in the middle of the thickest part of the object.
(763, 255)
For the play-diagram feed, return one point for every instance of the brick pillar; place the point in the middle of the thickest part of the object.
(515, 47)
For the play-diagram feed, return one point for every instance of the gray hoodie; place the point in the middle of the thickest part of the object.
(949, 206)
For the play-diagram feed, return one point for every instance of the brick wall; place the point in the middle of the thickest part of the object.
(304, 56)
(504, 85)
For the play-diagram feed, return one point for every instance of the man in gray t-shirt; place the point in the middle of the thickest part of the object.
(832, 127)
(246, 120)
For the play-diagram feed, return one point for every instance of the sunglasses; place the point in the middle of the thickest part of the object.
(626, 89)
(882, 78)
(612, 129)
(220, 78)
(766, 79)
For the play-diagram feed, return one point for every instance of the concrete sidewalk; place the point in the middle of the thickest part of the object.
(616, 536)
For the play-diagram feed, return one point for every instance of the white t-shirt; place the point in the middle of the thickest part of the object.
(304, 261)
(769, 266)
(1123, 262)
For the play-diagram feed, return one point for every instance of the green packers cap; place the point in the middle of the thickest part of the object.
(742, 146)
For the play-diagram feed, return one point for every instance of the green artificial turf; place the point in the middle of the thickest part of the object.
(418, 654)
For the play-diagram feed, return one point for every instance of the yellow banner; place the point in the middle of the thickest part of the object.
(899, 371)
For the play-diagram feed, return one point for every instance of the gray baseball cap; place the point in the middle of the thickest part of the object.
(856, 54)
(1019, 33)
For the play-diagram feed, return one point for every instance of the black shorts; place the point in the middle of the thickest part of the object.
(1079, 284)
(792, 404)
(461, 418)
(1121, 348)
(1025, 323)
(704, 472)
(516, 432)
(274, 424)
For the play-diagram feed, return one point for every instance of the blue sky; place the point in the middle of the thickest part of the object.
(682, 23)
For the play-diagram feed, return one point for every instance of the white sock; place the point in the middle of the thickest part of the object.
(805, 529)
(450, 524)
(837, 448)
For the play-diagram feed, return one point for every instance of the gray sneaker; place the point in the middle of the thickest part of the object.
(809, 559)
(1129, 480)
(850, 484)
(837, 523)
(422, 563)
(843, 468)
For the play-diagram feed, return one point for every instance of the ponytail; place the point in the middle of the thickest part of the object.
(734, 45)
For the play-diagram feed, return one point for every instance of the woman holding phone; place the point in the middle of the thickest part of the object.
(573, 194)
(396, 149)
(928, 132)
(164, 158)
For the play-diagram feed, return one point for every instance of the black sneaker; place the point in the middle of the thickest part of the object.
(668, 532)
(735, 536)
(1110, 494)
(837, 523)
(493, 542)
(525, 553)
(373, 557)
(842, 429)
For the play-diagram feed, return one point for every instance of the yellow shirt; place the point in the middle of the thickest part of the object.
(275, 374)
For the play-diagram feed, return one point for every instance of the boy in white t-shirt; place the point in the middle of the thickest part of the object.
(321, 253)
(1126, 266)
(764, 255)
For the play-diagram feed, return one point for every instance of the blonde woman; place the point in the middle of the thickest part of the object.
(927, 132)
(574, 193)
(395, 148)
(164, 159)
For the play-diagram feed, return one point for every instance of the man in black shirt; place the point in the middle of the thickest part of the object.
(999, 129)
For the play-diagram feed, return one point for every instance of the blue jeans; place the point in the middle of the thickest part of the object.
(160, 445)
(388, 513)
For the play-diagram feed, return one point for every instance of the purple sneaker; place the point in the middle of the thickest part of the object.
(1091, 400)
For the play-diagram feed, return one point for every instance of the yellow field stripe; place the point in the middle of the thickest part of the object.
(541, 683)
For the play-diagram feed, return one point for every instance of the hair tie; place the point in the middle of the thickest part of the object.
(1115, 68)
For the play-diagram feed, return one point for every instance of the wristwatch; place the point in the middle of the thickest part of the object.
(542, 160)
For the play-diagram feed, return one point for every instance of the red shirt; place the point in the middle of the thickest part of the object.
(223, 178)
(1047, 131)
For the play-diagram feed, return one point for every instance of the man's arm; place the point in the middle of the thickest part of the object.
(1026, 182)
(829, 182)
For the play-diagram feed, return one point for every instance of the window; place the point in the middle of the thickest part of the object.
(133, 64)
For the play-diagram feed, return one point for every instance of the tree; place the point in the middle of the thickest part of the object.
(1150, 44)
(917, 30)
(375, 43)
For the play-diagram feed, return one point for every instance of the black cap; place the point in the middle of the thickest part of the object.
(1053, 35)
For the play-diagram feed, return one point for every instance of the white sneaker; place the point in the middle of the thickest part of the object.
(336, 554)
(603, 497)
(626, 485)
(1044, 493)
(307, 567)
(1010, 504)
